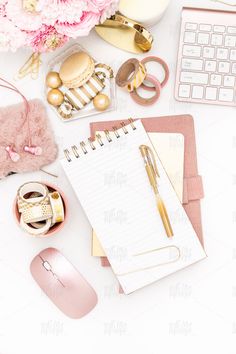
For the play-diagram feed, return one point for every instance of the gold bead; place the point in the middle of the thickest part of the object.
(53, 79)
(101, 102)
(55, 97)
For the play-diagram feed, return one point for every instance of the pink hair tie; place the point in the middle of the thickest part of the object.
(165, 67)
(148, 101)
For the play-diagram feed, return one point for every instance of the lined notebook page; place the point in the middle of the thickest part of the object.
(123, 211)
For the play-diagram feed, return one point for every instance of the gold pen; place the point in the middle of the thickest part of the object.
(152, 172)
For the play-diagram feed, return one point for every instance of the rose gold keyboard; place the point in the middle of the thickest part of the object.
(206, 68)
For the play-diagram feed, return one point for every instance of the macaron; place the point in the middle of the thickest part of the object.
(76, 70)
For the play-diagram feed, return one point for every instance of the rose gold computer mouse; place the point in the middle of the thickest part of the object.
(62, 283)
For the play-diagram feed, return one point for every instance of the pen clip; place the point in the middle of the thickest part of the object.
(147, 153)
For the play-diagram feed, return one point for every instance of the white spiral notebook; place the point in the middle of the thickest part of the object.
(124, 213)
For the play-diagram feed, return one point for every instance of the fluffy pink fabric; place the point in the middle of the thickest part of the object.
(13, 130)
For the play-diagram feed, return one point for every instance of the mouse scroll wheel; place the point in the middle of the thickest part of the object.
(47, 266)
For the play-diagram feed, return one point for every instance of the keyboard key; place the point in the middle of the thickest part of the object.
(233, 54)
(192, 64)
(190, 37)
(215, 80)
(222, 53)
(230, 41)
(203, 38)
(232, 30)
(210, 65)
(197, 92)
(229, 81)
(226, 95)
(191, 26)
(224, 67)
(211, 93)
(219, 29)
(184, 91)
(194, 78)
(205, 28)
(234, 68)
(216, 39)
(208, 52)
(191, 51)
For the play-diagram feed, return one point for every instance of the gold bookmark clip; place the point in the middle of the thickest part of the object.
(31, 67)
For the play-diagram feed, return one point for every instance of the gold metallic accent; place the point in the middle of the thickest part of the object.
(131, 122)
(77, 95)
(83, 147)
(91, 144)
(153, 174)
(108, 136)
(125, 34)
(101, 75)
(101, 102)
(107, 68)
(115, 130)
(67, 155)
(124, 127)
(31, 67)
(138, 79)
(99, 139)
(84, 90)
(65, 109)
(89, 83)
(75, 151)
(37, 213)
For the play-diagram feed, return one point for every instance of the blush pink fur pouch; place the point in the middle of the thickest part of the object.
(13, 128)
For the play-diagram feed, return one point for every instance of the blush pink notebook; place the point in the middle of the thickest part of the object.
(193, 188)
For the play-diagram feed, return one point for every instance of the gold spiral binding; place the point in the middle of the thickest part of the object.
(75, 151)
(116, 132)
(99, 139)
(67, 155)
(131, 122)
(93, 147)
(123, 126)
(109, 139)
(83, 147)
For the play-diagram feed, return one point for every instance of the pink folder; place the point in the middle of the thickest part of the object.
(193, 188)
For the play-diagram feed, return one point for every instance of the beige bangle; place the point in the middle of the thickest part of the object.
(131, 74)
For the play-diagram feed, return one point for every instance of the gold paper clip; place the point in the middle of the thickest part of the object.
(153, 174)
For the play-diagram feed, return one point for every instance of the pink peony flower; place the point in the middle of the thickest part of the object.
(11, 37)
(63, 11)
(22, 19)
(46, 39)
(109, 11)
(87, 22)
(47, 24)
(99, 5)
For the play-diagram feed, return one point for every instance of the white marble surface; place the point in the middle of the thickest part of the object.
(191, 311)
